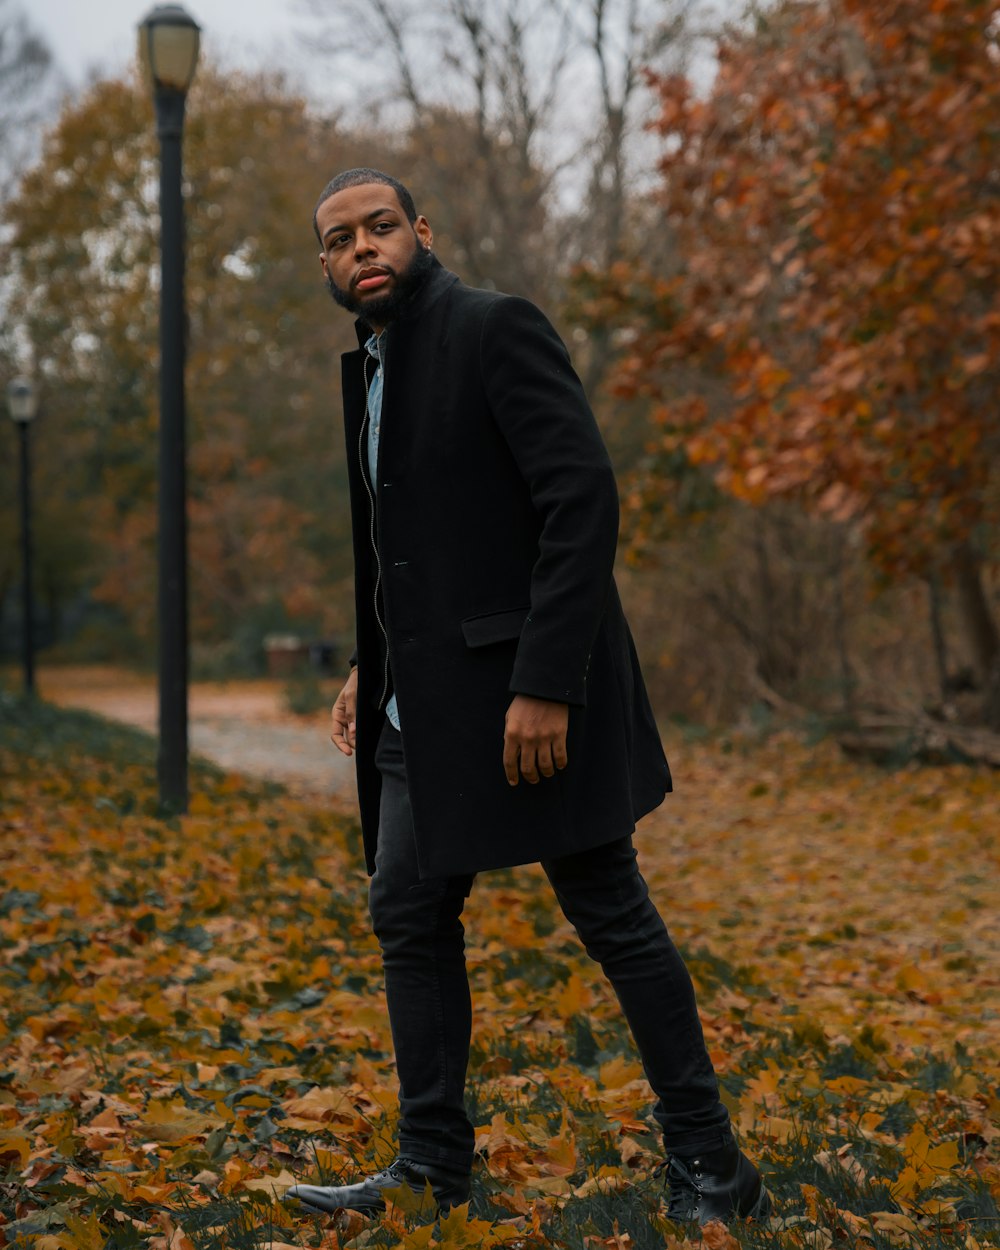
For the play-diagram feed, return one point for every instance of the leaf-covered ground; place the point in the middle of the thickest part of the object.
(192, 1014)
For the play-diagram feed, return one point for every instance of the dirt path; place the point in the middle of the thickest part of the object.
(244, 726)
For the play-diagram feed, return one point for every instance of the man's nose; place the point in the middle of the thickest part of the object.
(364, 244)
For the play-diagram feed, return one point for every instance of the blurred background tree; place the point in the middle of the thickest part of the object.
(26, 83)
(829, 332)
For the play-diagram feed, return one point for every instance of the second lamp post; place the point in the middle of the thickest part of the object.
(22, 403)
(168, 48)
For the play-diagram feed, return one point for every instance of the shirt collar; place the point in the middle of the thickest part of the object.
(375, 345)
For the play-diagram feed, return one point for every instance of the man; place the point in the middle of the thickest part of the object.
(496, 710)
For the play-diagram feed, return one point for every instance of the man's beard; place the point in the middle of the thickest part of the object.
(385, 308)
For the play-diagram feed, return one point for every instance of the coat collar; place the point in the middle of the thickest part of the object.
(438, 281)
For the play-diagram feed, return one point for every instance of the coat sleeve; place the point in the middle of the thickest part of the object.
(540, 407)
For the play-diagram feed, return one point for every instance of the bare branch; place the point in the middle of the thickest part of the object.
(26, 70)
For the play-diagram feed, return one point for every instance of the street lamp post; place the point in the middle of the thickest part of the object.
(168, 48)
(22, 404)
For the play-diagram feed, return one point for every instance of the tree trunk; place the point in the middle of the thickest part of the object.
(981, 628)
(991, 704)
(934, 598)
(848, 678)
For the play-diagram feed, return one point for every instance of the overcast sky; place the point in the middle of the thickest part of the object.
(99, 37)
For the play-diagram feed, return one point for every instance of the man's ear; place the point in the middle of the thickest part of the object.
(322, 261)
(422, 229)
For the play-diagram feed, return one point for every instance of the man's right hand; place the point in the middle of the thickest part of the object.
(344, 716)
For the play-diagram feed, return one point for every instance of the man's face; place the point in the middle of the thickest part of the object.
(373, 258)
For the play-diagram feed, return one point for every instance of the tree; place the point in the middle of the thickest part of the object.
(268, 540)
(831, 330)
(26, 74)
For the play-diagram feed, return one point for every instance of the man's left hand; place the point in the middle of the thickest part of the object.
(534, 740)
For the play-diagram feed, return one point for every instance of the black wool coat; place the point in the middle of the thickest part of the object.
(486, 571)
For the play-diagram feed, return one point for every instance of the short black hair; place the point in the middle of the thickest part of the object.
(361, 177)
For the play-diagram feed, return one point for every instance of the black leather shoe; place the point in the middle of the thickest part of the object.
(719, 1184)
(450, 1189)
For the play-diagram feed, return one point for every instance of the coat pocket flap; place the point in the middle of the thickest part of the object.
(480, 631)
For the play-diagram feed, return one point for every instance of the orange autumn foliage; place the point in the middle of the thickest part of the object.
(828, 327)
(191, 1013)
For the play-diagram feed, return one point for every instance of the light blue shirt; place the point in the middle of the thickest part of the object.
(374, 427)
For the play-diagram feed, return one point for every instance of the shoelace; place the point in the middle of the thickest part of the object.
(393, 1170)
(685, 1189)
(390, 1171)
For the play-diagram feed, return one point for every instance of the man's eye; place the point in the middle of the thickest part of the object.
(383, 225)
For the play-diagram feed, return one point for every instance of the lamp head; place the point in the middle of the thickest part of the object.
(22, 400)
(169, 39)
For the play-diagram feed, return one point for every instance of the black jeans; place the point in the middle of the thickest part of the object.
(419, 928)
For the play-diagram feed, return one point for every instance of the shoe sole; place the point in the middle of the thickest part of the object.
(313, 1209)
(373, 1209)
